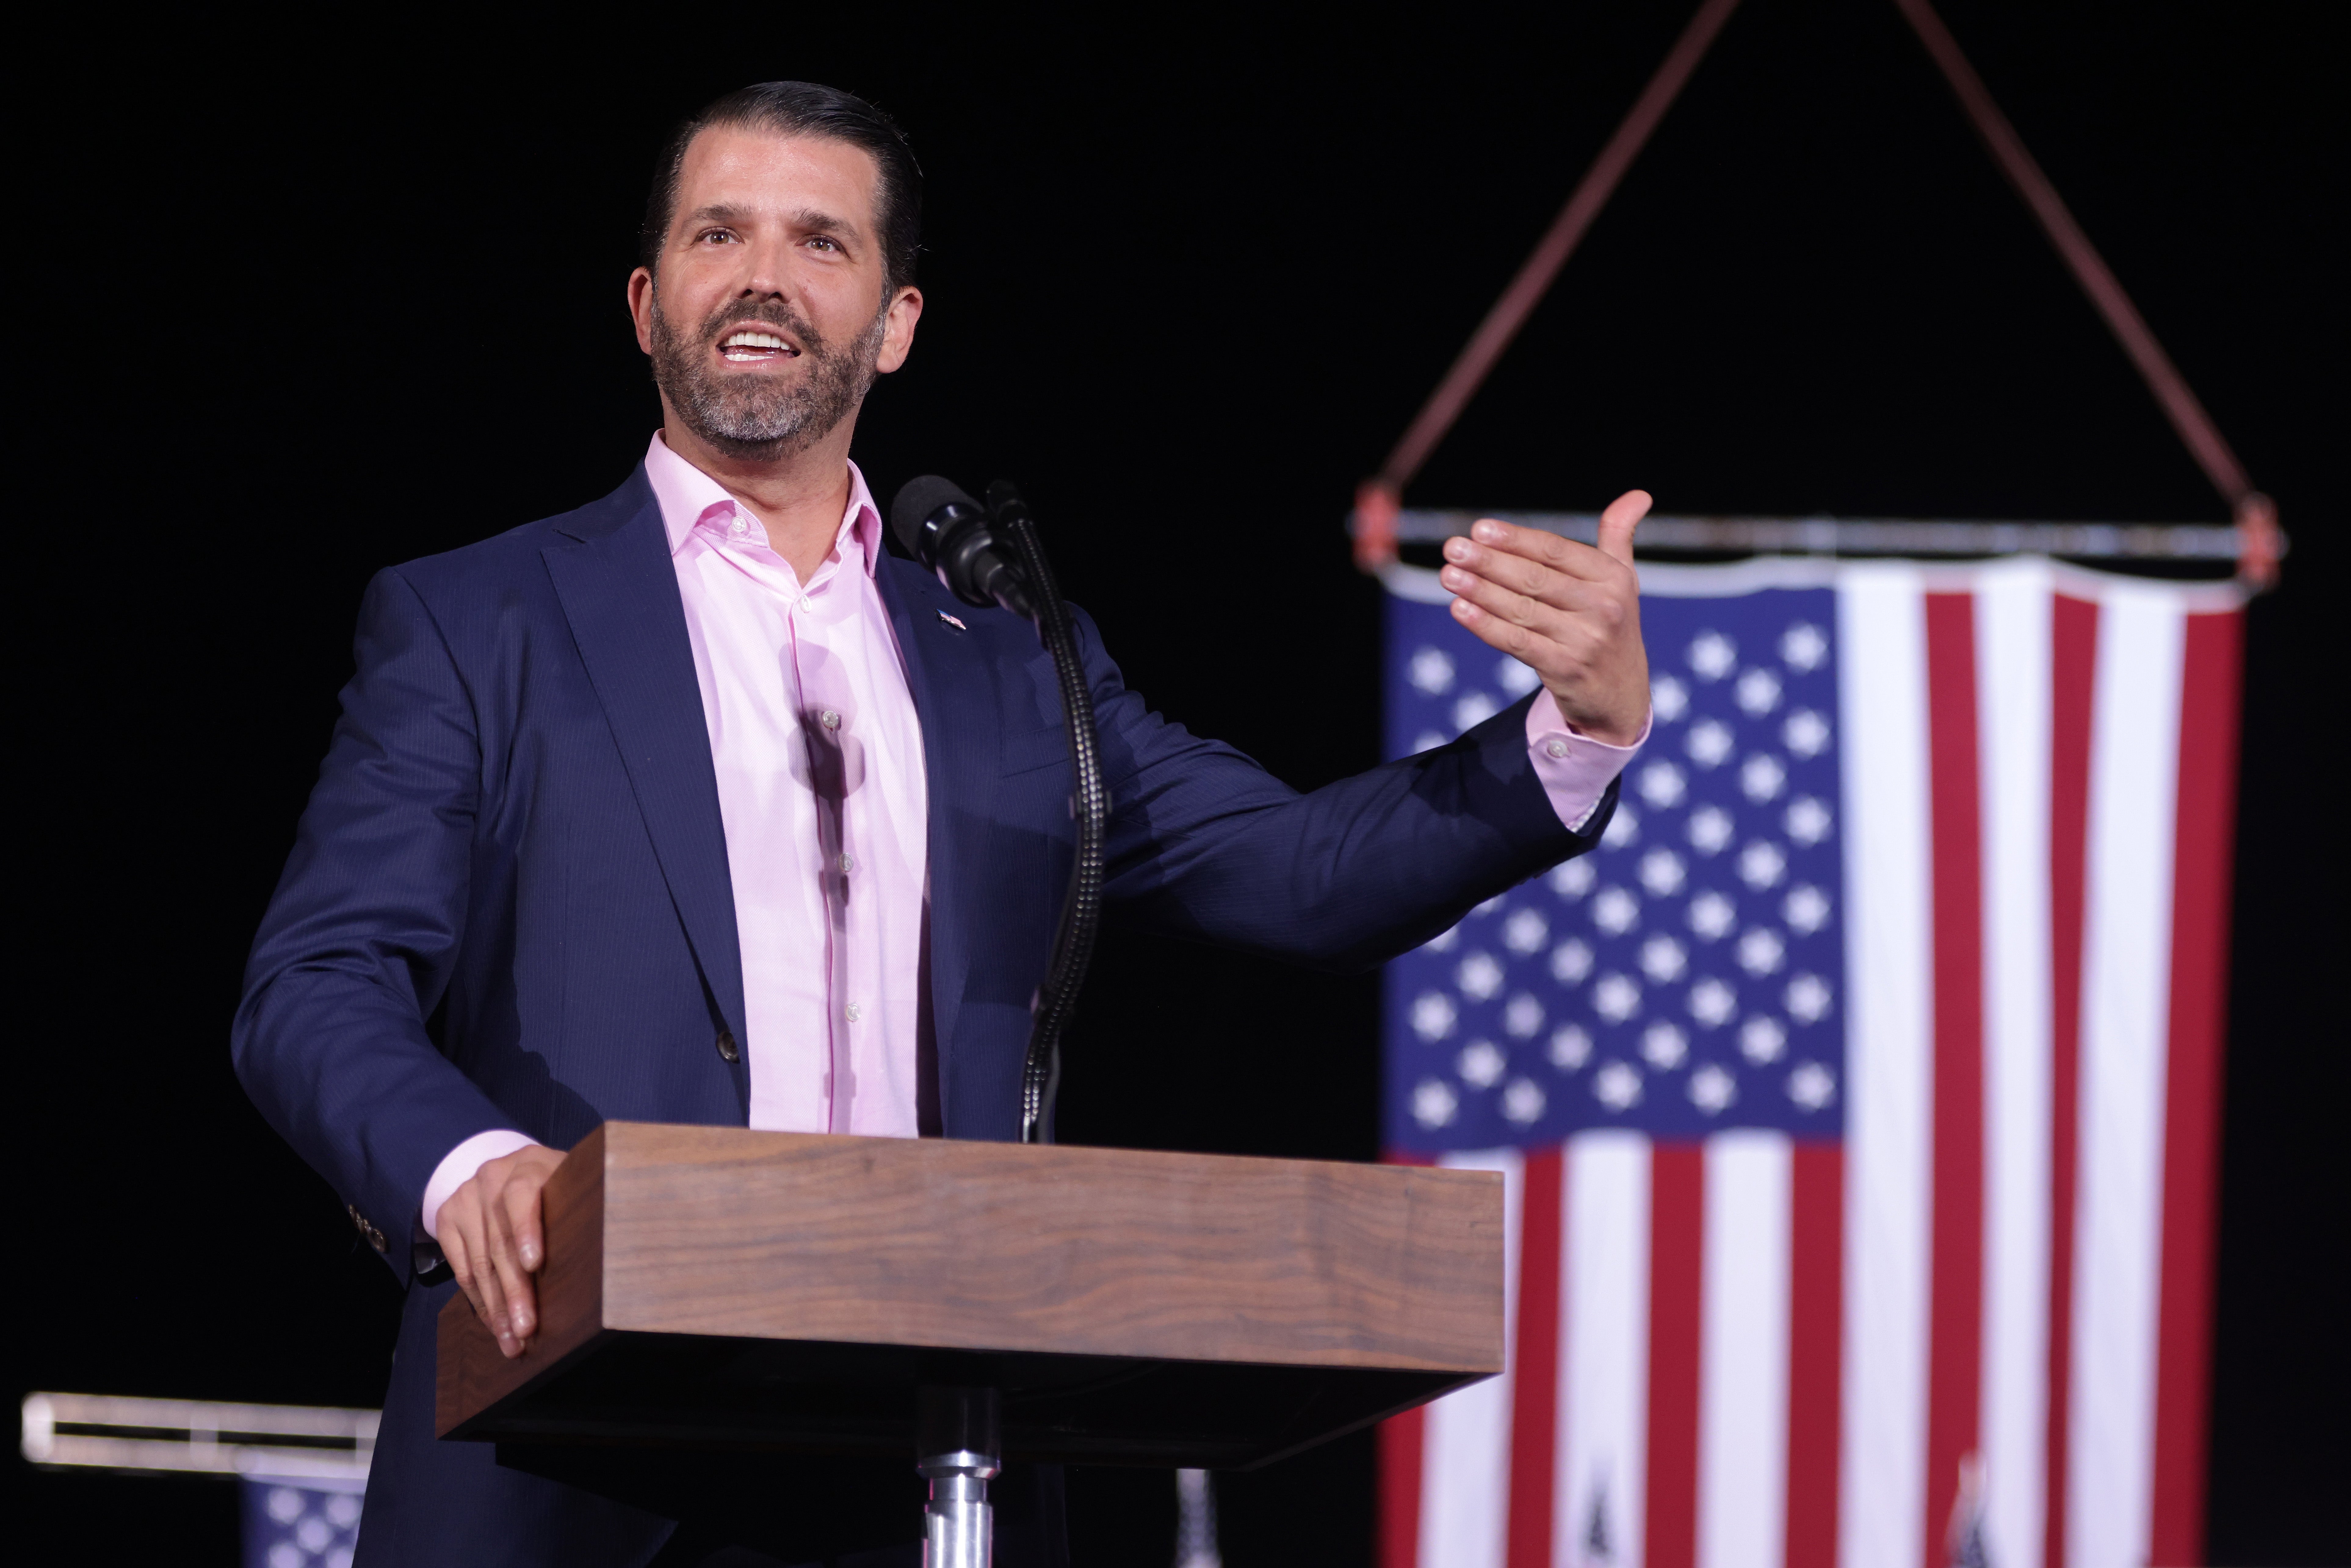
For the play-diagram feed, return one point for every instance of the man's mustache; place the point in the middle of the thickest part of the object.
(767, 314)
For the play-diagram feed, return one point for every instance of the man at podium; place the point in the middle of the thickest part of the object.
(696, 804)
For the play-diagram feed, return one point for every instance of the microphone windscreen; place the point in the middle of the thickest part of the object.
(917, 499)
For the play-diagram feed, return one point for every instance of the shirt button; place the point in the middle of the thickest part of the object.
(807, 604)
(854, 1012)
(1555, 747)
(738, 526)
(829, 719)
(728, 1049)
(848, 864)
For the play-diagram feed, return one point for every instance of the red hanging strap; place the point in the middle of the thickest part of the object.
(1379, 498)
(2256, 514)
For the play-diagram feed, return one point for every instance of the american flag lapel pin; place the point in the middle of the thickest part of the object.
(953, 621)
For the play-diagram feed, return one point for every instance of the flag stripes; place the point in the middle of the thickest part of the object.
(1983, 1313)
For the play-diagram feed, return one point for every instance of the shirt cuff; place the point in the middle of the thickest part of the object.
(458, 1166)
(1574, 768)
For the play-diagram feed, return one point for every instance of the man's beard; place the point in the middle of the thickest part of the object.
(759, 416)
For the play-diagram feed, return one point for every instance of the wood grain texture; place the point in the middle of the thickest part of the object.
(709, 1288)
(1073, 1250)
(470, 1375)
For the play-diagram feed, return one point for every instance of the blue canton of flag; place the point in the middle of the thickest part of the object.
(307, 1522)
(1684, 978)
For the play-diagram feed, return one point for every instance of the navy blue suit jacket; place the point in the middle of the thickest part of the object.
(508, 906)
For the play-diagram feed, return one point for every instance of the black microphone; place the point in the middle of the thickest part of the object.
(949, 532)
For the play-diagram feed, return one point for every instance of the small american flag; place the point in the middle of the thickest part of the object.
(1855, 1099)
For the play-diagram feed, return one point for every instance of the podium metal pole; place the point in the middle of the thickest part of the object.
(958, 1451)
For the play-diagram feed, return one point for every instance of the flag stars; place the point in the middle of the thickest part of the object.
(1709, 744)
(1712, 1089)
(1482, 1063)
(1523, 1017)
(1663, 785)
(1713, 655)
(1525, 931)
(1662, 873)
(1763, 777)
(1761, 865)
(1663, 960)
(1516, 678)
(1710, 829)
(1572, 879)
(1712, 1002)
(1617, 1086)
(1762, 1038)
(1522, 1102)
(1432, 1015)
(1806, 733)
(1479, 976)
(1616, 997)
(1807, 999)
(1812, 1086)
(1802, 647)
(1761, 952)
(1665, 1046)
(1430, 672)
(1571, 961)
(1711, 916)
(1707, 953)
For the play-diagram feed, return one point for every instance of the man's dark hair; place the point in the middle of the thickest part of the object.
(803, 108)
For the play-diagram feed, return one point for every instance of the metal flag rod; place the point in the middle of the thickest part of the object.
(1857, 536)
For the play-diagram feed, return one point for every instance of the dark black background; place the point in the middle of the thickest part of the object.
(295, 304)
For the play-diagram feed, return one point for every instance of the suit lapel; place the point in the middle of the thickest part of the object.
(952, 683)
(618, 591)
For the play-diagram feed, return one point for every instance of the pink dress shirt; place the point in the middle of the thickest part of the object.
(822, 792)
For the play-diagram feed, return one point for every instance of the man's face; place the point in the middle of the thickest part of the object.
(771, 314)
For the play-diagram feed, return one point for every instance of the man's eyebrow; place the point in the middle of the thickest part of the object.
(810, 220)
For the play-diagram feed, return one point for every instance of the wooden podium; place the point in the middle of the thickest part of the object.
(712, 1291)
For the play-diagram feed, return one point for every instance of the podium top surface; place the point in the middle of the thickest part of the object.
(898, 1258)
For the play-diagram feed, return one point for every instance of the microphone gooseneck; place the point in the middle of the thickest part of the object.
(991, 555)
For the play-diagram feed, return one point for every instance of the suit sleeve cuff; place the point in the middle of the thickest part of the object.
(1575, 770)
(458, 1166)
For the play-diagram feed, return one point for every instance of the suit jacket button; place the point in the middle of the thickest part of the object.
(726, 1046)
(374, 1237)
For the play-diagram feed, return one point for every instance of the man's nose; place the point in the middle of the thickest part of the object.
(769, 272)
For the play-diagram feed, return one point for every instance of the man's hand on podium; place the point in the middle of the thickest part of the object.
(491, 1234)
(1571, 612)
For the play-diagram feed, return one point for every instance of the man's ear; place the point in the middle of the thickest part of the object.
(898, 336)
(640, 307)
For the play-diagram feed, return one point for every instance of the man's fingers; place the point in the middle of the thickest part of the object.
(514, 1280)
(461, 1262)
(521, 1201)
(1617, 523)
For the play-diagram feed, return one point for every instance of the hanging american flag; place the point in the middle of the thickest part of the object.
(1856, 1098)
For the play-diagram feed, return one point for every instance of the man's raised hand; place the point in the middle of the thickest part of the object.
(1571, 612)
(491, 1232)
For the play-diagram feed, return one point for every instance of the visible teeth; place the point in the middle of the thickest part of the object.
(754, 340)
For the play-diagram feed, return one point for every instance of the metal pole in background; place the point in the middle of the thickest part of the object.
(1195, 1521)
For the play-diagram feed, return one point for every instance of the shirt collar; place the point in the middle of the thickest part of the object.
(686, 495)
